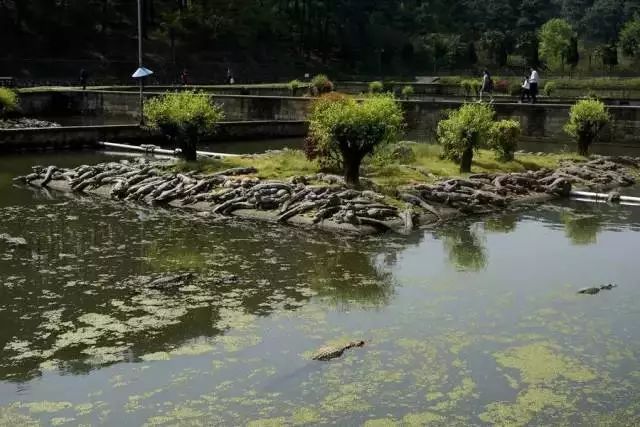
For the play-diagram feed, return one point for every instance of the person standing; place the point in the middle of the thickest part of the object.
(184, 77)
(525, 90)
(487, 85)
(84, 77)
(534, 82)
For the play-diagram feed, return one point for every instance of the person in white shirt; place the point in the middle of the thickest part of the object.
(525, 89)
(534, 81)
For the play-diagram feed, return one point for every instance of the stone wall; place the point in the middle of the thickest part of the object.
(540, 122)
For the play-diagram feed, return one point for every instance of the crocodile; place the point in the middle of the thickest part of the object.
(597, 289)
(334, 351)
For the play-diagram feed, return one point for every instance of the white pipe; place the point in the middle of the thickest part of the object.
(152, 149)
(602, 196)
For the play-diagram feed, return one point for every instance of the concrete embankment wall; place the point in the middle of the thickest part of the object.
(76, 137)
(540, 122)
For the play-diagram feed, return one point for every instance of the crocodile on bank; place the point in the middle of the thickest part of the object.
(334, 351)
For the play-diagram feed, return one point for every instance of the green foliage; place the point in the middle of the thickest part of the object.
(8, 100)
(549, 88)
(555, 40)
(630, 39)
(183, 116)
(355, 128)
(293, 85)
(320, 84)
(572, 55)
(503, 138)
(465, 130)
(599, 83)
(515, 87)
(407, 91)
(471, 86)
(586, 119)
(376, 87)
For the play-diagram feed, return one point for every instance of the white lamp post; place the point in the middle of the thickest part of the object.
(141, 72)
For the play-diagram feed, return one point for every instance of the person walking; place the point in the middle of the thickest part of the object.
(534, 82)
(84, 77)
(184, 77)
(525, 90)
(487, 85)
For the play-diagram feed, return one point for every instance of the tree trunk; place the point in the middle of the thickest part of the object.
(351, 163)
(583, 146)
(188, 147)
(465, 160)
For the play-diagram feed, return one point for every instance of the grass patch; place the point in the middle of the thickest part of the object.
(427, 166)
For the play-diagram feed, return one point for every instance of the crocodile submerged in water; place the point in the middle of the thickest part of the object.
(334, 351)
(595, 290)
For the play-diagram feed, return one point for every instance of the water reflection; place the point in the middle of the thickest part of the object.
(581, 228)
(465, 246)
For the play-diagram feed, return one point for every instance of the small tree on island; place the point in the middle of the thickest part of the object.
(184, 118)
(586, 119)
(354, 129)
(464, 131)
(503, 139)
(8, 101)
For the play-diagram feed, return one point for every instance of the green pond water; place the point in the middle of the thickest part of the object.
(476, 323)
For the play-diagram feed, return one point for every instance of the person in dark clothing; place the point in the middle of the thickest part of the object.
(487, 85)
(184, 77)
(84, 76)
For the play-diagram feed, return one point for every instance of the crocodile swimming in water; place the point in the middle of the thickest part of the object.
(334, 351)
(595, 290)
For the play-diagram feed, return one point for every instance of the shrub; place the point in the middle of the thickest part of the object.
(503, 138)
(463, 131)
(294, 85)
(549, 88)
(407, 92)
(8, 100)
(471, 86)
(354, 129)
(586, 119)
(321, 84)
(184, 117)
(317, 146)
(515, 87)
(376, 87)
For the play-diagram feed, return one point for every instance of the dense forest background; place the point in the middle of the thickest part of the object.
(275, 40)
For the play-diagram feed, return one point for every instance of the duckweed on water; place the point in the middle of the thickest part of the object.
(381, 422)
(45, 406)
(541, 363)
(303, 416)
(529, 404)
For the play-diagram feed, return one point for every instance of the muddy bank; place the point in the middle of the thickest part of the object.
(323, 201)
